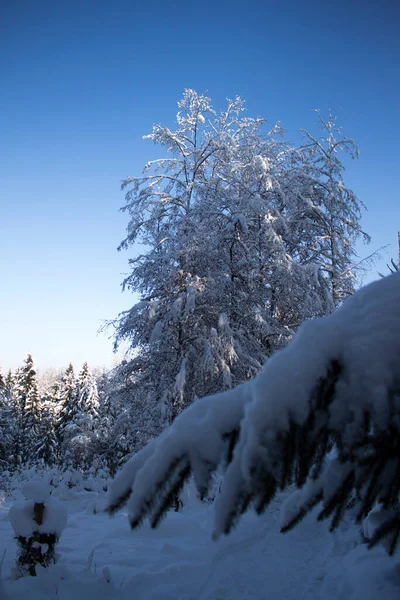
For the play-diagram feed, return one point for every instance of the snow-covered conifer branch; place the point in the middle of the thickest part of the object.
(336, 386)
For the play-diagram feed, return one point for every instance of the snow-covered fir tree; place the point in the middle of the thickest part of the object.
(85, 441)
(47, 448)
(54, 392)
(7, 424)
(49, 382)
(68, 408)
(230, 267)
(9, 380)
(25, 391)
(78, 417)
(88, 396)
(10, 426)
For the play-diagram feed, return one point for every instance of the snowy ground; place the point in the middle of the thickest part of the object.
(100, 557)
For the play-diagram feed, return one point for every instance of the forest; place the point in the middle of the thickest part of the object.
(244, 236)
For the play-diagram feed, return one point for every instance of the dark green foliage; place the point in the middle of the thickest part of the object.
(30, 553)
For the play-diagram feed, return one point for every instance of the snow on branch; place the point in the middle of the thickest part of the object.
(335, 387)
(197, 436)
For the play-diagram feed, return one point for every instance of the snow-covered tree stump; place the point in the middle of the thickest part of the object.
(38, 523)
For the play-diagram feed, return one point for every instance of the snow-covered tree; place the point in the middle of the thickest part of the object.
(47, 447)
(7, 424)
(234, 225)
(84, 435)
(53, 394)
(88, 396)
(324, 415)
(69, 407)
(49, 382)
(119, 439)
(9, 380)
(25, 390)
(78, 416)
(119, 425)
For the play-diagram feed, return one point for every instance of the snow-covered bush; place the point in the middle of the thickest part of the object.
(336, 386)
(37, 523)
(64, 482)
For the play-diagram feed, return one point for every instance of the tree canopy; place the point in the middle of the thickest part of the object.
(245, 235)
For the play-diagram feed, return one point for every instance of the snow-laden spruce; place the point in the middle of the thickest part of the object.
(335, 390)
(8, 423)
(27, 411)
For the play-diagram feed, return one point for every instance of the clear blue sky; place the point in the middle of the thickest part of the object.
(81, 82)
